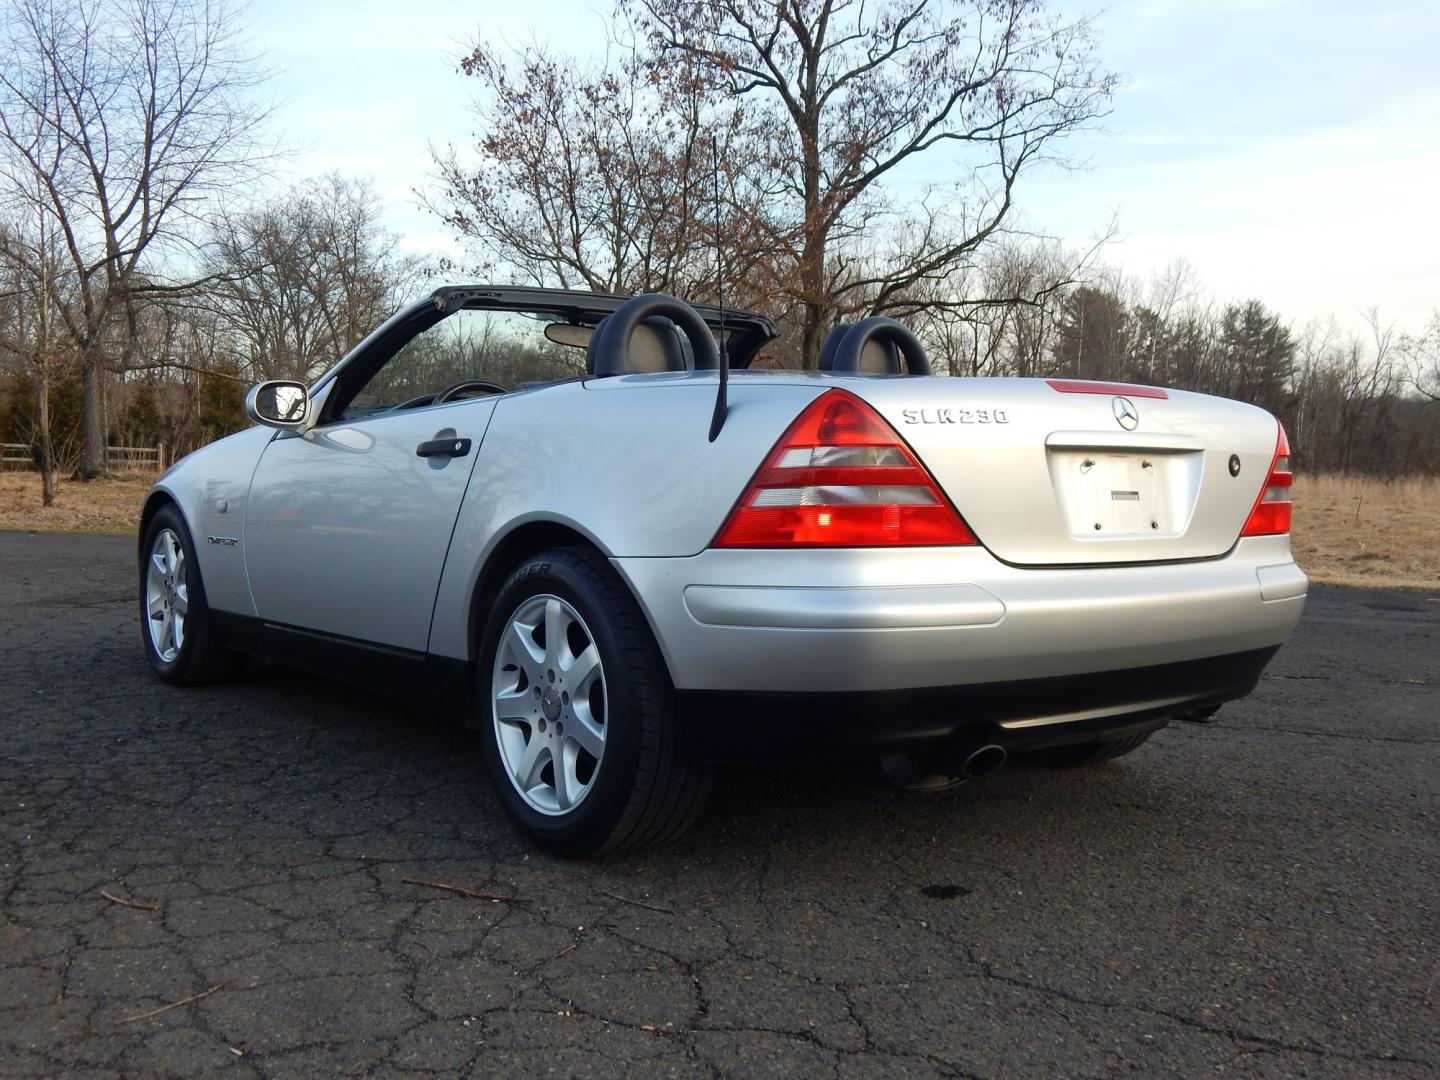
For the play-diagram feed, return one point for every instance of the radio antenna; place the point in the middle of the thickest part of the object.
(722, 393)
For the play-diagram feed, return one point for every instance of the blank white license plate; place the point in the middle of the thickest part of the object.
(1105, 493)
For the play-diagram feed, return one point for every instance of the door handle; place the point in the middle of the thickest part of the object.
(451, 448)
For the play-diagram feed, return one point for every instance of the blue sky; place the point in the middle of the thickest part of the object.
(1289, 150)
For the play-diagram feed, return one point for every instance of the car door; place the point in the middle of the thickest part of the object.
(348, 525)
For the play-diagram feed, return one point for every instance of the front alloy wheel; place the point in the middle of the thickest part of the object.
(549, 704)
(167, 595)
(176, 626)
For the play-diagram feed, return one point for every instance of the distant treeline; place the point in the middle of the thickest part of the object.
(1350, 403)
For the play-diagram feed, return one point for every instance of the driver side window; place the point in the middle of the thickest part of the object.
(470, 346)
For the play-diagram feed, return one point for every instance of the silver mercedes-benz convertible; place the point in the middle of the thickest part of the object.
(662, 555)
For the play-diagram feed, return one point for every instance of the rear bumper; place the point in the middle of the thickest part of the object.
(852, 621)
(1023, 715)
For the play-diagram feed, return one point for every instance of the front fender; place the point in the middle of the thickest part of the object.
(210, 488)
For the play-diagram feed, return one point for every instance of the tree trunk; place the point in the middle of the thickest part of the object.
(92, 387)
(46, 445)
(810, 338)
(816, 236)
(812, 289)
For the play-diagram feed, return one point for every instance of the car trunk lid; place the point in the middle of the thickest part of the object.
(1065, 473)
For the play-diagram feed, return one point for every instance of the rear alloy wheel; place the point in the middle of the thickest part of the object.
(175, 625)
(581, 738)
(548, 674)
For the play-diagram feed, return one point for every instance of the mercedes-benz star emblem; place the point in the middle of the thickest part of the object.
(1125, 412)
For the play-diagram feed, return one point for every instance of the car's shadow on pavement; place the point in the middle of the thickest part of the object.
(814, 809)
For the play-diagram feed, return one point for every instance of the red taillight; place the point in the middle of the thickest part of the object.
(1271, 514)
(841, 477)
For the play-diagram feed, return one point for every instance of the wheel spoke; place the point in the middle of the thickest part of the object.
(533, 762)
(177, 628)
(555, 625)
(514, 705)
(182, 600)
(586, 735)
(583, 669)
(155, 605)
(158, 569)
(521, 640)
(567, 787)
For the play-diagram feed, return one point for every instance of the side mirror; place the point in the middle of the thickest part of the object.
(278, 404)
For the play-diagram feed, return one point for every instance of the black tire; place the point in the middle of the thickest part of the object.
(648, 787)
(202, 657)
(1079, 755)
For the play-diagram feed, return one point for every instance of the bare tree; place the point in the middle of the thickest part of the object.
(1422, 355)
(118, 117)
(607, 178)
(1000, 316)
(1170, 294)
(300, 279)
(852, 93)
(31, 261)
(1363, 386)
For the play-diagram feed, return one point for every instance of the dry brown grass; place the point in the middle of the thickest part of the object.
(101, 506)
(1347, 531)
(1358, 531)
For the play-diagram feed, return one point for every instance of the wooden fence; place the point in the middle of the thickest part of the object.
(120, 459)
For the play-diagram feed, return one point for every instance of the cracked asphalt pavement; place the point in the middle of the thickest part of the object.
(1257, 897)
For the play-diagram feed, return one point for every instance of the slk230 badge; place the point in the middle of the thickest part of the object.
(954, 416)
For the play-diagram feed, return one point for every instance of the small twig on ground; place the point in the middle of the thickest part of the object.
(492, 897)
(641, 904)
(567, 949)
(128, 903)
(173, 1005)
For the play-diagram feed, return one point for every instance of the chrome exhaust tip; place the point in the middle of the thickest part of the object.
(944, 769)
(984, 761)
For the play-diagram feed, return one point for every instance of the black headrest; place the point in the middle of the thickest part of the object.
(656, 345)
(590, 346)
(877, 356)
(875, 346)
(831, 343)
